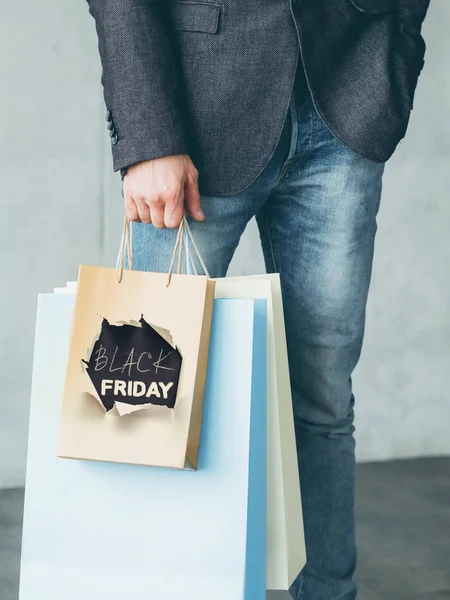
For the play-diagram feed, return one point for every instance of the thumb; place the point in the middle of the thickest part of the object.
(192, 199)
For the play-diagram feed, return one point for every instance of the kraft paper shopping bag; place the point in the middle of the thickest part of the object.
(137, 365)
(286, 554)
(97, 530)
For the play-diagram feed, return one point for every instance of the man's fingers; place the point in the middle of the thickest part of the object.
(174, 210)
(131, 210)
(157, 213)
(192, 199)
(143, 210)
(161, 191)
(161, 212)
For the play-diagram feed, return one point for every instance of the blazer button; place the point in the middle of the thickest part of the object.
(110, 125)
(114, 139)
(108, 116)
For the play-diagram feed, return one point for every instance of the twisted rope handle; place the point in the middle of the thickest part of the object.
(184, 232)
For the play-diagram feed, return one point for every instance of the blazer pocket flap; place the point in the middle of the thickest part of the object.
(195, 16)
(375, 7)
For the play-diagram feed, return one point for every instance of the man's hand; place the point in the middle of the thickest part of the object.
(159, 191)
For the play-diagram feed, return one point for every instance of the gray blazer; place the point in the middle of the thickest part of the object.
(213, 78)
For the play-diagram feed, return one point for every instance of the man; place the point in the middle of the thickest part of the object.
(285, 110)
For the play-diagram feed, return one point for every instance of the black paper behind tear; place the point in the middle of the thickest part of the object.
(140, 355)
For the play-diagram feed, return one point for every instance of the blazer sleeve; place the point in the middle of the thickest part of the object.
(140, 80)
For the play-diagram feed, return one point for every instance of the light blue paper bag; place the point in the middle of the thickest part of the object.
(103, 531)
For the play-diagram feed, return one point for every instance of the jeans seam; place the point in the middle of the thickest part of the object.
(269, 237)
(312, 146)
(300, 591)
(293, 162)
(294, 141)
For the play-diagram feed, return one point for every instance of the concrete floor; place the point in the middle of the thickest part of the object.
(403, 513)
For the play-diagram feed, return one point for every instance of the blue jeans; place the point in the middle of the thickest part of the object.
(315, 203)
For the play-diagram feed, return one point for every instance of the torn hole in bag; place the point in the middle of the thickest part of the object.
(133, 366)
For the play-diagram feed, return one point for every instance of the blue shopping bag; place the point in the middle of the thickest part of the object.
(97, 531)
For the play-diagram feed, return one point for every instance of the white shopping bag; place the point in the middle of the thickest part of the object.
(286, 554)
(106, 531)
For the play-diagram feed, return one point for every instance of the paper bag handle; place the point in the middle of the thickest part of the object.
(127, 245)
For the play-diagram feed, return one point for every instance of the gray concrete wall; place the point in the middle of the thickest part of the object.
(61, 206)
